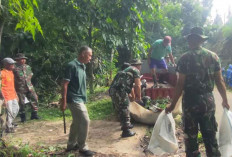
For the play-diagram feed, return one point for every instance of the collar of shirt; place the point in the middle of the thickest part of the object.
(196, 50)
(80, 64)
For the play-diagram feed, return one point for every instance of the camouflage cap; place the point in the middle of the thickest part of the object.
(197, 31)
(136, 62)
(8, 61)
(20, 56)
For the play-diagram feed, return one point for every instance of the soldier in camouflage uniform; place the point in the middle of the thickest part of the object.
(198, 69)
(120, 90)
(24, 87)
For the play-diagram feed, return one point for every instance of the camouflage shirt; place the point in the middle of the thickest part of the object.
(124, 80)
(199, 66)
(23, 75)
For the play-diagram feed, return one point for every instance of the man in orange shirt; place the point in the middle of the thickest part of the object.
(8, 93)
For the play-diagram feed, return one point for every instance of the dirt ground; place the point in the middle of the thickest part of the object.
(104, 138)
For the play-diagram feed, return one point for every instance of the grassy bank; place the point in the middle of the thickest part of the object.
(99, 107)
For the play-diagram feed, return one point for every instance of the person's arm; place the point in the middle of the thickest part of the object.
(64, 95)
(137, 88)
(219, 81)
(132, 95)
(177, 93)
(172, 59)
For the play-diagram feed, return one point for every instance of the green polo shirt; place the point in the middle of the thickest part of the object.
(75, 74)
(159, 50)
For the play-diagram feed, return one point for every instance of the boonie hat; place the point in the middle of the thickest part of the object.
(20, 56)
(197, 31)
(135, 62)
(8, 61)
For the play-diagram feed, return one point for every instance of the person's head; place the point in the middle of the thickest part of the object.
(136, 63)
(85, 54)
(167, 41)
(125, 65)
(196, 38)
(8, 63)
(20, 58)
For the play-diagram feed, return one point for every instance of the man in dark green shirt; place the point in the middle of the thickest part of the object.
(74, 93)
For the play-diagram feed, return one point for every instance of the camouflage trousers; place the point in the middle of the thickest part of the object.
(208, 128)
(32, 98)
(121, 103)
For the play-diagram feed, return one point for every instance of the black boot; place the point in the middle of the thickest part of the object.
(131, 126)
(34, 115)
(163, 78)
(155, 81)
(23, 117)
(127, 133)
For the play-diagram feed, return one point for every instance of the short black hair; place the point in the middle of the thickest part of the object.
(83, 48)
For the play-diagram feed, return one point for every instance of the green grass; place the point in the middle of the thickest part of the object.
(8, 149)
(100, 109)
(97, 108)
(199, 137)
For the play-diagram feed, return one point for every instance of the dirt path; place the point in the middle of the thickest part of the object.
(104, 137)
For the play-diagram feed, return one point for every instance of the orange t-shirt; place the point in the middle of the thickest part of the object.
(8, 87)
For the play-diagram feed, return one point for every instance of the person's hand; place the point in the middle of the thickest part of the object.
(140, 102)
(226, 105)
(174, 65)
(131, 97)
(169, 108)
(62, 104)
(4, 103)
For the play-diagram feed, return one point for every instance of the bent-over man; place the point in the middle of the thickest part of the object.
(160, 49)
(119, 92)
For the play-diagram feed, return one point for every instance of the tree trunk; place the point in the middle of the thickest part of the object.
(91, 63)
(111, 63)
(2, 21)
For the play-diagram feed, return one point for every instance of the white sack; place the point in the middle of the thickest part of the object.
(142, 115)
(163, 139)
(225, 134)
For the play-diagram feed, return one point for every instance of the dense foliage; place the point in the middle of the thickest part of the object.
(117, 30)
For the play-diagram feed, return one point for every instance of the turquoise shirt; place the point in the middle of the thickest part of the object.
(75, 74)
(159, 50)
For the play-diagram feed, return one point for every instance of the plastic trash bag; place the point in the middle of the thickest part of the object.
(163, 139)
(225, 134)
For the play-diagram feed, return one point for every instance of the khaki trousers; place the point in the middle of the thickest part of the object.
(79, 127)
(12, 107)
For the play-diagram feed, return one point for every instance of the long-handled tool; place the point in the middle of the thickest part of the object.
(64, 122)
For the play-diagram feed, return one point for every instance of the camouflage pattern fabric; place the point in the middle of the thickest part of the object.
(119, 90)
(124, 80)
(199, 66)
(121, 103)
(24, 87)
